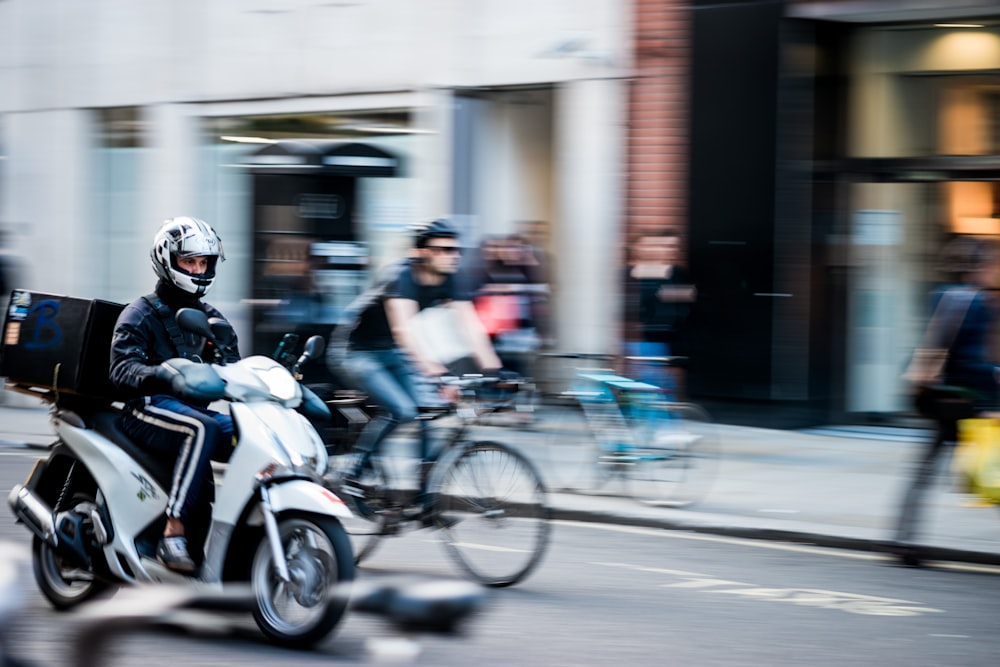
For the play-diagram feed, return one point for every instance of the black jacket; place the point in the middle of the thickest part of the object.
(141, 342)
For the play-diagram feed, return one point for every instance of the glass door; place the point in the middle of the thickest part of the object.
(896, 231)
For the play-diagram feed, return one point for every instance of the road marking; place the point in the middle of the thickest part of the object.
(775, 546)
(743, 541)
(852, 603)
(488, 547)
(969, 567)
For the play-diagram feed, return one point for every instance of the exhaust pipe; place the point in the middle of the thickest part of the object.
(34, 512)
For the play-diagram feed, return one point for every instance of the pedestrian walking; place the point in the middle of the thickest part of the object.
(964, 316)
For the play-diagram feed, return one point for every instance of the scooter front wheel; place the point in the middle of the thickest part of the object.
(301, 611)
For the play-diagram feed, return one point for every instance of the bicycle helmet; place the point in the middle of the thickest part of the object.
(437, 229)
(186, 237)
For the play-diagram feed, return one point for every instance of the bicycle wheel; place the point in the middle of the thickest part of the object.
(567, 446)
(490, 505)
(677, 454)
(368, 525)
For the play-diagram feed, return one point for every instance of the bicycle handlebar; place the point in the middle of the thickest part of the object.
(672, 360)
(598, 356)
(473, 381)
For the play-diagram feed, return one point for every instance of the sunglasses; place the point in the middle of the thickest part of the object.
(445, 249)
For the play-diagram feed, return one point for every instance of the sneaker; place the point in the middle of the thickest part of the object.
(352, 487)
(428, 517)
(358, 496)
(173, 553)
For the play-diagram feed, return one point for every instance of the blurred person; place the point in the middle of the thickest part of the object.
(10, 275)
(184, 255)
(509, 295)
(534, 234)
(659, 296)
(7, 266)
(972, 267)
(376, 345)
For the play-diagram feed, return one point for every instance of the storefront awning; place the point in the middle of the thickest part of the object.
(910, 169)
(888, 11)
(339, 158)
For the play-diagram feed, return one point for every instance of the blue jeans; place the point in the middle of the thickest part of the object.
(196, 436)
(647, 371)
(387, 376)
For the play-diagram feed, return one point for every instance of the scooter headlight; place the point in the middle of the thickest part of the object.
(276, 471)
(311, 461)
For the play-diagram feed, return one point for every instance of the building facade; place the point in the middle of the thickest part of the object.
(814, 155)
(835, 146)
(117, 115)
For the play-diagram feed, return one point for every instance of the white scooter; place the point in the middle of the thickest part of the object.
(96, 504)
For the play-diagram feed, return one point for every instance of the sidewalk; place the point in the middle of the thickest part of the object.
(816, 488)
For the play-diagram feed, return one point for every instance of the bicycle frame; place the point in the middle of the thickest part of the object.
(485, 497)
(660, 450)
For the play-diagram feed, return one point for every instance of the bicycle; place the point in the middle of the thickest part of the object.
(609, 428)
(485, 497)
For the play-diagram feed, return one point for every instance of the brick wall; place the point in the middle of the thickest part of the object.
(656, 190)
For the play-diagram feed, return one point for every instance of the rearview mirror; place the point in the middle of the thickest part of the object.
(195, 321)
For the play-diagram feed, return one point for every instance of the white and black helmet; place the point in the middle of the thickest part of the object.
(186, 237)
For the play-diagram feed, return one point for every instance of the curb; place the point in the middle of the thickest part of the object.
(40, 442)
(814, 538)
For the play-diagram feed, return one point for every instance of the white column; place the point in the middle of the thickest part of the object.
(172, 169)
(432, 153)
(47, 202)
(589, 126)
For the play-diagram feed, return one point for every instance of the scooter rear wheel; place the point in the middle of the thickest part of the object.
(64, 583)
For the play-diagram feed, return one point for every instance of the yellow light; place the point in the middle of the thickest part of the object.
(977, 226)
(959, 25)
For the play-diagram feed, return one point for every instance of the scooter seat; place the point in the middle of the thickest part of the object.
(109, 424)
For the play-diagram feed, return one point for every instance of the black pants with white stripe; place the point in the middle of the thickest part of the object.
(194, 435)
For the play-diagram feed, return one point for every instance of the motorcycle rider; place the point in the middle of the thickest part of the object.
(375, 346)
(185, 254)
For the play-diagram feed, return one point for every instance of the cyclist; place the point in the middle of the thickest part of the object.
(184, 255)
(377, 348)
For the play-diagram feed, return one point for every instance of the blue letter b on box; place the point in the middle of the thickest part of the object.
(47, 331)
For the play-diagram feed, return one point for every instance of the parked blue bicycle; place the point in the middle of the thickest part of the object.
(609, 433)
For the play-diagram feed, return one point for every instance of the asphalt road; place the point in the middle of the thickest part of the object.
(611, 594)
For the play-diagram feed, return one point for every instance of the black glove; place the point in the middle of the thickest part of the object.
(156, 382)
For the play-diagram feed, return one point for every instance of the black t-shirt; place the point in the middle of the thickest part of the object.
(365, 324)
(660, 321)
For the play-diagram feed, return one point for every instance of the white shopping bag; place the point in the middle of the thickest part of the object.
(438, 333)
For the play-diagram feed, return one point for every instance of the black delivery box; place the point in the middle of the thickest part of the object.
(59, 342)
